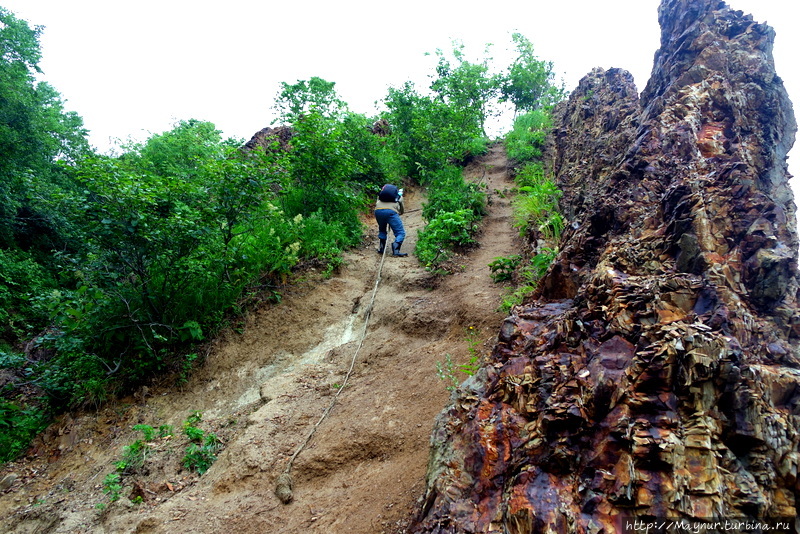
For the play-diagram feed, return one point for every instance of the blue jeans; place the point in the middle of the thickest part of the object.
(392, 218)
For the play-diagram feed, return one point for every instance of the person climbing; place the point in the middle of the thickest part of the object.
(388, 210)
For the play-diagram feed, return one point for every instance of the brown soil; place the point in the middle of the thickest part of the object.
(263, 389)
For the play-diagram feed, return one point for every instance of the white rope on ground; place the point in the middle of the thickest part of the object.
(283, 490)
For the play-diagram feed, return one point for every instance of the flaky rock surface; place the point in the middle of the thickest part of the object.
(656, 373)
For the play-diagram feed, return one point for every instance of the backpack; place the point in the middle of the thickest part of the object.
(389, 193)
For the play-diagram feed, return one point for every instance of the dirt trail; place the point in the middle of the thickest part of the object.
(264, 388)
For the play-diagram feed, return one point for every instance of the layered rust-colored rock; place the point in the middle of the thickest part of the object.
(656, 373)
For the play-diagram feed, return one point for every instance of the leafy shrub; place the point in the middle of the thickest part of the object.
(429, 133)
(529, 275)
(73, 377)
(200, 456)
(134, 456)
(541, 262)
(148, 431)
(20, 279)
(18, 426)
(112, 486)
(452, 211)
(377, 162)
(536, 205)
(449, 192)
(502, 269)
(526, 139)
(530, 174)
(202, 452)
(475, 147)
(449, 229)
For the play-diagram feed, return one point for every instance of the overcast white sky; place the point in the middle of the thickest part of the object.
(134, 68)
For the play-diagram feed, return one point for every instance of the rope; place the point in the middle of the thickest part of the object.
(285, 483)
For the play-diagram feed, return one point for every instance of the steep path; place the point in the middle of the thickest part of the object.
(264, 388)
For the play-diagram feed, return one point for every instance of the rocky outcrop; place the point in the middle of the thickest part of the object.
(656, 373)
(271, 139)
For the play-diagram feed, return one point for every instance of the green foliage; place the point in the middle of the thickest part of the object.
(529, 276)
(453, 210)
(536, 205)
(428, 133)
(446, 370)
(112, 486)
(202, 452)
(536, 210)
(186, 368)
(134, 456)
(541, 262)
(502, 269)
(472, 366)
(163, 231)
(376, 162)
(326, 169)
(193, 433)
(295, 101)
(518, 295)
(11, 360)
(200, 456)
(18, 426)
(181, 152)
(148, 431)
(73, 376)
(449, 192)
(319, 160)
(35, 132)
(193, 419)
(467, 87)
(528, 82)
(21, 277)
(526, 140)
(436, 241)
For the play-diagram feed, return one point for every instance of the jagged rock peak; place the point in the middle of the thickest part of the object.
(656, 372)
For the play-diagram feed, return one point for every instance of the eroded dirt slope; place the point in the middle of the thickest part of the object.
(262, 389)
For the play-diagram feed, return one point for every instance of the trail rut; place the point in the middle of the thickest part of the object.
(264, 387)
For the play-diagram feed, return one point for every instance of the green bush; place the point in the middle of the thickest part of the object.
(526, 140)
(536, 204)
(428, 133)
(502, 269)
(529, 276)
(436, 241)
(112, 486)
(200, 456)
(73, 377)
(202, 452)
(21, 278)
(134, 455)
(448, 192)
(18, 426)
(377, 163)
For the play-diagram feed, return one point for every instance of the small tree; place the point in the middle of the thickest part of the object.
(306, 96)
(528, 83)
(469, 87)
(35, 131)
